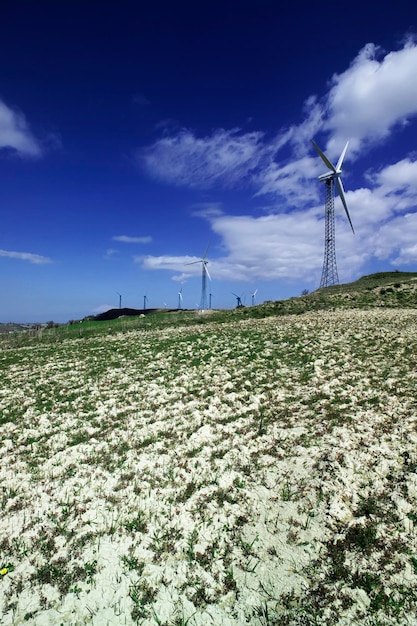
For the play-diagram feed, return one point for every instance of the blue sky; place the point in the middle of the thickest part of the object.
(132, 137)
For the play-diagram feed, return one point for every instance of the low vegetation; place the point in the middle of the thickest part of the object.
(255, 471)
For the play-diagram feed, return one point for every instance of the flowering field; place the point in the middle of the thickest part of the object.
(262, 472)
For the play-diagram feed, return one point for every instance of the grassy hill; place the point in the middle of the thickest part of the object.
(381, 290)
(251, 466)
(194, 471)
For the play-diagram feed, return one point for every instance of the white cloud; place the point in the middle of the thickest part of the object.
(128, 239)
(400, 176)
(223, 159)
(291, 249)
(37, 259)
(396, 240)
(173, 263)
(372, 96)
(15, 133)
(290, 181)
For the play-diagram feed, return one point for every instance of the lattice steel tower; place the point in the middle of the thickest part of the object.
(329, 274)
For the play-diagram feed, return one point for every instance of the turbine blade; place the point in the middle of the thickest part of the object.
(193, 262)
(342, 156)
(343, 199)
(205, 253)
(207, 272)
(324, 157)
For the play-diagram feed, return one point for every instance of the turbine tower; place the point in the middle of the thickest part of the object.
(179, 298)
(204, 275)
(329, 274)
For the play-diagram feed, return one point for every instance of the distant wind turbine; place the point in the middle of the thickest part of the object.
(204, 275)
(210, 297)
(238, 300)
(253, 296)
(120, 299)
(180, 299)
(145, 299)
(329, 274)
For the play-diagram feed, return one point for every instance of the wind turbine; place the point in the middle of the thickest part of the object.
(204, 275)
(329, 274)
(253, 296)
(120, 299)
(210, 297)
(180, 298)
(238, 300)
(145, 299)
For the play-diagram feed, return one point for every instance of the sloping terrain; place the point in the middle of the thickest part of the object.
(258, 471)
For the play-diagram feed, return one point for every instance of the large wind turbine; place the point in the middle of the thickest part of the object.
(329, 274)
(204, 275)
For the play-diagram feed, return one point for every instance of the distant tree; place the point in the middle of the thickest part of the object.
(305, 292)
(51, 324)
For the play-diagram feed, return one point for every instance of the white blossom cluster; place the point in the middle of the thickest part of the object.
(263, 472)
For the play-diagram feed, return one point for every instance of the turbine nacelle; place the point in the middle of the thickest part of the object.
(329, 176)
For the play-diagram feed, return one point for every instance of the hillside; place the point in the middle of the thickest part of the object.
(382, 290)
(261, 472)
(385, 289)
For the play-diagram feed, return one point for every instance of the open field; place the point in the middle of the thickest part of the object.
(259, 471)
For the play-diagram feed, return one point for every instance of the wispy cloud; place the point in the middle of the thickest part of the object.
(37, 259)
(224, 158)
(15, 133)
(110, 253)
(140, 100)
(128, 239)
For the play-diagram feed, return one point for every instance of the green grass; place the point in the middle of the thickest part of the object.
(384, 289)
